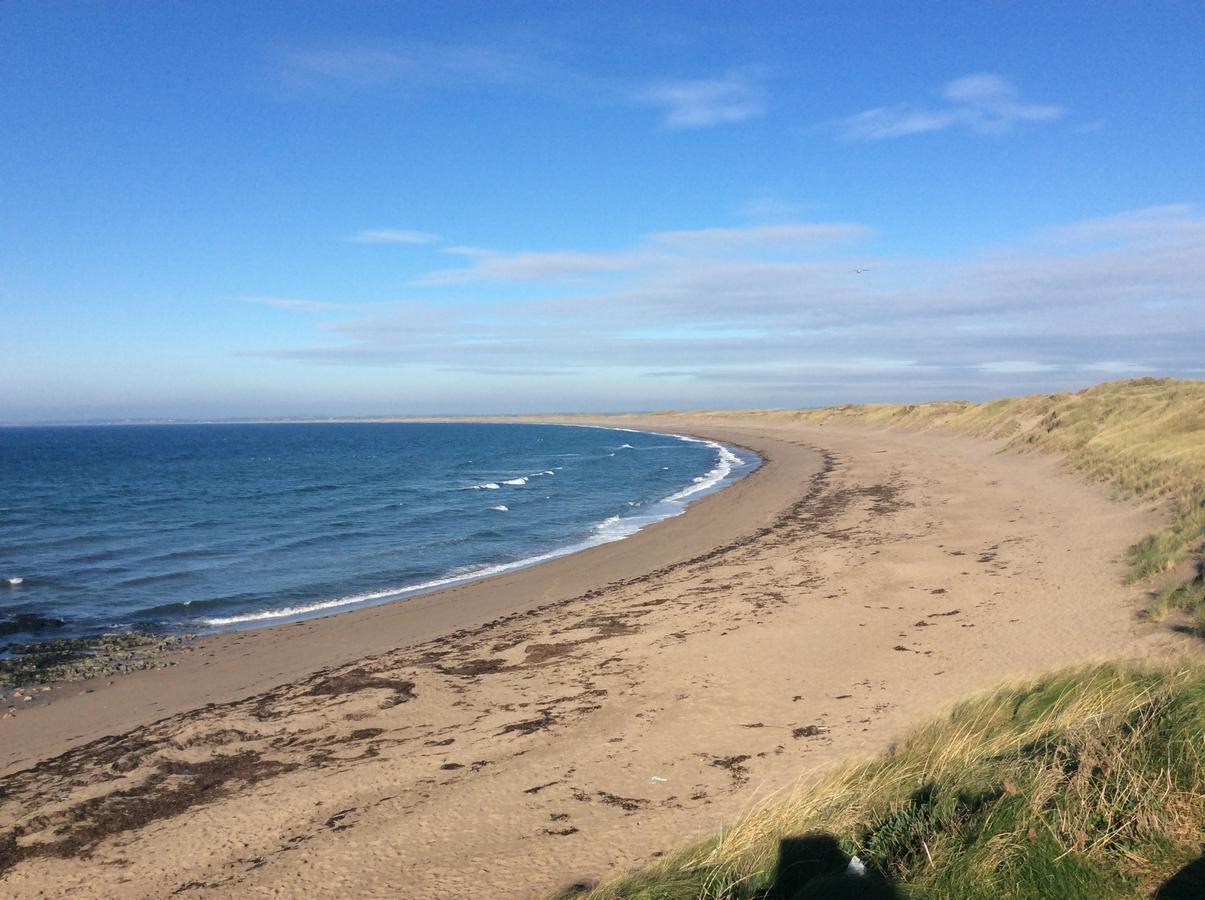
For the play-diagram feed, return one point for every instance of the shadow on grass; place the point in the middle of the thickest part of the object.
(1187, 884)
(814, 867)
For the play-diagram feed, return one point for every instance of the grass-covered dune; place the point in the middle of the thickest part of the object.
(1144, 436)
(1088, 783)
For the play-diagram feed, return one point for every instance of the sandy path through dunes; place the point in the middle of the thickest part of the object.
(587, 714)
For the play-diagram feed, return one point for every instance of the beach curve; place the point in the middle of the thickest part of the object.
(563, 722)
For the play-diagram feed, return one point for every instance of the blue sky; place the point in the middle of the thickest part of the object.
(239, 209)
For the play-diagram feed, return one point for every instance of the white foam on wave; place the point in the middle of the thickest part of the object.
(613, 528)
(336, 602)
(516, 481)
(501, 508)
(456, 576)
(488, 486)
(15, 581)
(726, 461)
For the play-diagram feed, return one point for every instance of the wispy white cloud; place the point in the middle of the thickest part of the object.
(983, 103)
(704, 102)
(1013, 366)
(784, 322)
(657, 251)
(555, 266)
(1116, 368)
(734, 96)
(1172, 221)
(294, 303)
(393, 236)
(807, 234)
(377, 66)
(354, 66)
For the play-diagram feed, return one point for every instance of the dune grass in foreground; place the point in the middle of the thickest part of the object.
(1088, 783)
(1144, 436)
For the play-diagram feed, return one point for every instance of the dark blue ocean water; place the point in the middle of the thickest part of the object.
(201, 527)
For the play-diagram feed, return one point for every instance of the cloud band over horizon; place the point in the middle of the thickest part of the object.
(788, 308)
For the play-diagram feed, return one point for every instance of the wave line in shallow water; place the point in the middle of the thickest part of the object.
(406, 590)
(611, 529)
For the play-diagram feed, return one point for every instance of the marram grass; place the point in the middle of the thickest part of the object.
(1087, 783)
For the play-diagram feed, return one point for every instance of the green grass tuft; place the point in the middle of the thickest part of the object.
(1187, 597)
(1088, 783)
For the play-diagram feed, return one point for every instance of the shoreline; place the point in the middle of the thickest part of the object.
(45, 632)
(362, 635)
(563, 723)
(720, 477)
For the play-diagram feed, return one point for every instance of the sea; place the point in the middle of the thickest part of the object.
(198, 528)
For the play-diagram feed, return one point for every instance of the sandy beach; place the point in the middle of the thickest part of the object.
(564, 723)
